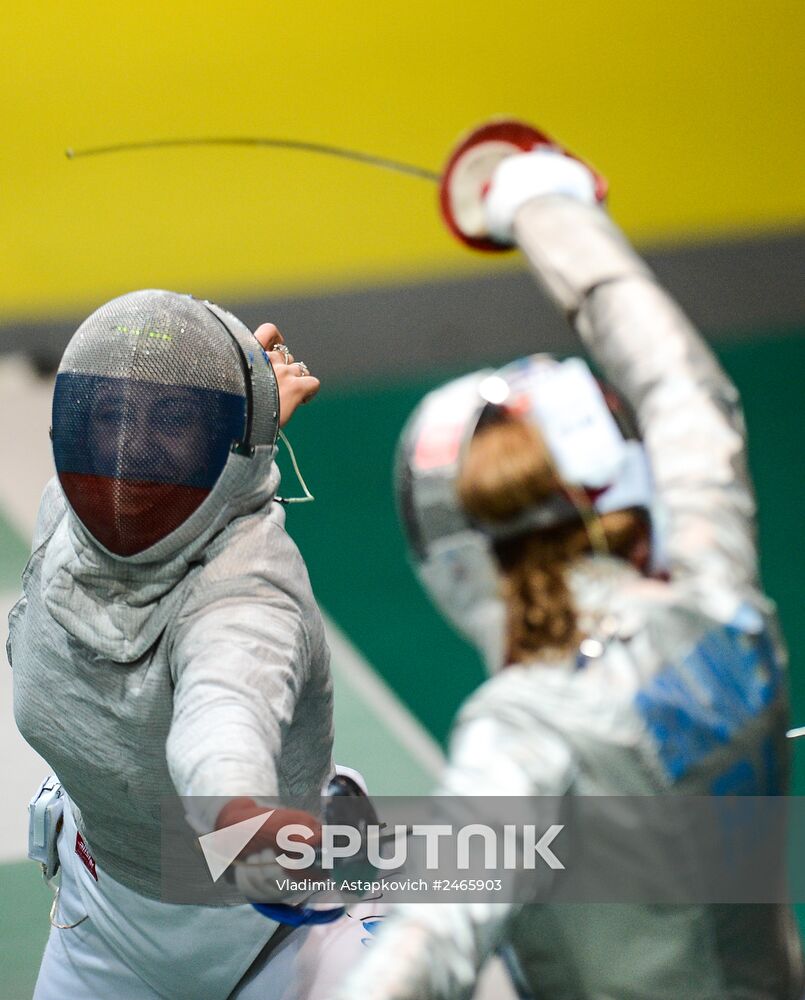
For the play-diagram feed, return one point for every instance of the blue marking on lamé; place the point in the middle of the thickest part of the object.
(141, 431)
(740, 778)
(696, 706)
(298, 916)
(372, 925)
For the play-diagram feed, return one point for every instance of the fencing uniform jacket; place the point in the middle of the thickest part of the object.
(645, 716)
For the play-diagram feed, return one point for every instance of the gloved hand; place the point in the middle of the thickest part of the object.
(520, 178)
(257, 871)
(259, 875)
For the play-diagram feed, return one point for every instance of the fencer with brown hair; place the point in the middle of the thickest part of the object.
(608, 573)
(508, 470)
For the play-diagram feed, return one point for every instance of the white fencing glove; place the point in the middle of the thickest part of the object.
(524, 176)
(259, 875)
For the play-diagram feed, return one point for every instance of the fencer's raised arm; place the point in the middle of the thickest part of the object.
(687, 408)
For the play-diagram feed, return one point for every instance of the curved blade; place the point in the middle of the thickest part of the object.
(323, 149)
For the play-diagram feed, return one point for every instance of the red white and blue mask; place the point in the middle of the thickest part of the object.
(153, 394)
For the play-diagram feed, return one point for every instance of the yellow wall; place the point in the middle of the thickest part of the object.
(693, 108)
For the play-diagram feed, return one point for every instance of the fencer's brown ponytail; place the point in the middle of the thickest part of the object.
(507, 470)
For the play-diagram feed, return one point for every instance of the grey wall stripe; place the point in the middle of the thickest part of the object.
(732, 287)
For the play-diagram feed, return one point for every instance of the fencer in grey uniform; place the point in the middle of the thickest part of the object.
(167, 640)
(634, 708)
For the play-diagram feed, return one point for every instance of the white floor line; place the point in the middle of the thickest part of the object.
(25, 400)
(383, 701)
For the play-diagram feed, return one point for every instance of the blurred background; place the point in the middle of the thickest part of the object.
(692, 109)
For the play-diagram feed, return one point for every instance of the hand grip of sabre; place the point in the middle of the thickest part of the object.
(347, 803)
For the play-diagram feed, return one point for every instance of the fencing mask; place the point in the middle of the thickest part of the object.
(154, 393)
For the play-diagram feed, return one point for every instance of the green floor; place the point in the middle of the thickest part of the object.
(351, 542)
(24, 906)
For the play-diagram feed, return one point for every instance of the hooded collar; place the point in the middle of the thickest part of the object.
(118, 606)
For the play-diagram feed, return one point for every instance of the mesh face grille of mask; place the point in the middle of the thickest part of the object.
(149, 398)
